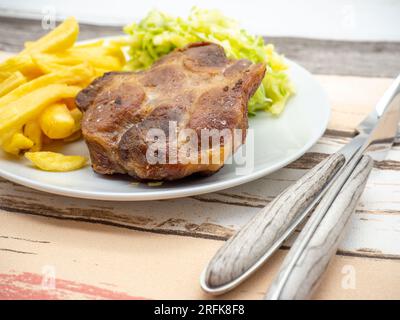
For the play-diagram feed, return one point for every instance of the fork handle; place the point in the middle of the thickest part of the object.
(264, 233)
(308, 264)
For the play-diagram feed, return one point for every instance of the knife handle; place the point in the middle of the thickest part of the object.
(245, 251)
(302, 267)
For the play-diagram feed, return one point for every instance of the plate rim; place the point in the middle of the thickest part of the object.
(160, 194)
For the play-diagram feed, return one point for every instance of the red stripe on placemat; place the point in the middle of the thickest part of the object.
(28, 285)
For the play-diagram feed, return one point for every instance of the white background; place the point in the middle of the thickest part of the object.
(327, 19)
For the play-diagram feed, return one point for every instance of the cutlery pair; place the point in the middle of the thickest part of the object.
(329, 192)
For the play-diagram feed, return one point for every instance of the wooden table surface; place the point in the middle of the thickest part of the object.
(56, 247)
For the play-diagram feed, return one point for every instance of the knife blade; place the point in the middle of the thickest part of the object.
(251, 246)
(318, 241)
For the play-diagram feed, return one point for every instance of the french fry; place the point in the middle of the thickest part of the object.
(77, 116)
(21, 62)
(115, 49)
(4, 75)
(90, 50)
(122, 41)
(28, 43)
(73, 75)
(92, 44)
(61, 38)
(37, 91)
(51, 161)
(12, 82)
(118, 53)
(17, 143)
(29, 106)
(32, 131)
(108, 57)
(57, 122)
(75, 56)
(100, 72)
(48, 67)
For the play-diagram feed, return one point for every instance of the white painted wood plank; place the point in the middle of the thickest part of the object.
(374, 228)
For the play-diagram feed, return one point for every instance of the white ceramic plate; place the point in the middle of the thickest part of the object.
(278, 141)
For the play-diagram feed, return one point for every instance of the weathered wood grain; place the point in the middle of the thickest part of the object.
(368, 59)
(86, 255)
(218, 215)
(307, 260)
(356, 58)
(87, 258)
(256, 241)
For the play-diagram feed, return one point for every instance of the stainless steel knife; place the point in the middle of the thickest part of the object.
(251, 246)
(318, 241)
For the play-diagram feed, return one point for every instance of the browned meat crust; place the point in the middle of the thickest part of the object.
(196, 86)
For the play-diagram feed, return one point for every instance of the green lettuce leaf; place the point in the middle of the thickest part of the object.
(159, 33)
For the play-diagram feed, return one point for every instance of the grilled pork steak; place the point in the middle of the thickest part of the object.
(196, 87)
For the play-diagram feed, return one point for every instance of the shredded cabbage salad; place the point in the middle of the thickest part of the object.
(158, 34)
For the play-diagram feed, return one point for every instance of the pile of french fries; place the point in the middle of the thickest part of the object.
(37, 91)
